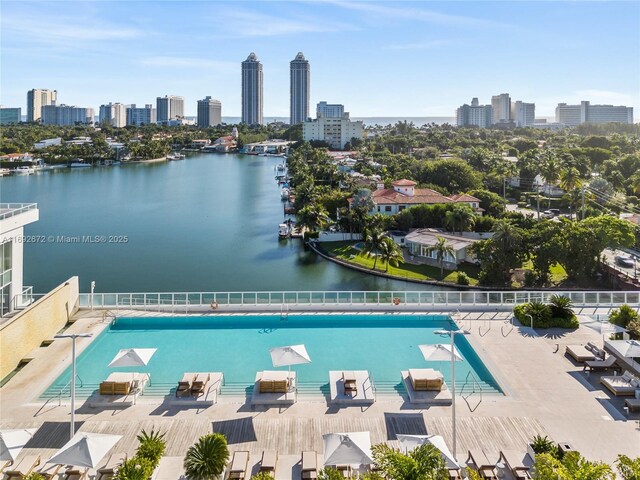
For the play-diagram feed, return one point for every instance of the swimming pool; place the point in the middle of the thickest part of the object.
(238, 346)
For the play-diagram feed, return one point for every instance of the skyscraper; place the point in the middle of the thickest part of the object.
(141, 116)
(252, 90)
(501, 108)
(573, 115)
(523, 114)
(66, 115)
(329, 110)
(300, 88)
(169, 107)
(38, 98)
(474, 114)
(209, 112)
(114, 114)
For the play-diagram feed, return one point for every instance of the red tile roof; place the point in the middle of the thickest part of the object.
(420, 195)
(404, 183)
(464, 197)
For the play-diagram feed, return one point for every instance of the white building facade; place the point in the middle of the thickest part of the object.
(336, 132)
(209, 112)
(252, 91)
(474, 115)
(501, 105)
(523, 114)
(114, 114)
(141, 116)
(169, 107)
(573, 115)
(329, 110)
(38, 98)
(300, 88)
(13, 218)
(66, 115)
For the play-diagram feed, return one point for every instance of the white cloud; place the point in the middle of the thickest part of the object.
(417, 45)
(415, 14)
(244, 23)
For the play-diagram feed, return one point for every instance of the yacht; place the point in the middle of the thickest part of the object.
(284, 230)
(25, 170)
(5, 172)
(176, 156)
(284, 194)
(79, 163)
(280, 167)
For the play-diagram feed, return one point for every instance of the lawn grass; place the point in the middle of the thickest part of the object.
(345, 252)
(557, 273)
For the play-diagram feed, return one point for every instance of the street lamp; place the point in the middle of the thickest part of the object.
(93, 287)
(452, 334)
(73, 337)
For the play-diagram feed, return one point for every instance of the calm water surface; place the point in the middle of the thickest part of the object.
(208, 223)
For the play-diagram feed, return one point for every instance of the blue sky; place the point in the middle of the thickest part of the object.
(377, 58)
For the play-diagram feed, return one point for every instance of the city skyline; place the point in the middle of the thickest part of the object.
(358, 51)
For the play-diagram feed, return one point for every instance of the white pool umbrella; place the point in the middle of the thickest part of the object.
(347, 448)
(440, 353)
(602, 328)
(132, 357)
(626, 348)
(290, 355)
(85, 449)
(13, 441)
(411, 442)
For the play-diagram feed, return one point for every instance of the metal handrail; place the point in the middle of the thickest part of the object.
(15, 209)
(68, 385)
(450, 299)
(474, 383)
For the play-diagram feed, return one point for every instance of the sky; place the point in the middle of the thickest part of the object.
(379, 59)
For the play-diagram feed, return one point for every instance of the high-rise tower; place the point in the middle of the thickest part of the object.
(300, 87)
(252, 90)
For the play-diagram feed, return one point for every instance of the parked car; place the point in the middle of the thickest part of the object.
(555, 211)
(547, 214)
(625, 262)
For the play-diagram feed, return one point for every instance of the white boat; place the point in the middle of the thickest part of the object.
(284, 194)
(280, 167)
(284, 230)
(25, 170)
(79, 163)
(175, 156)
(5, 172)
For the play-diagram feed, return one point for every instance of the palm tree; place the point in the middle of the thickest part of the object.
(506, 234)
(422, 463)
(550, 170)
(313, 217)
(570, 179)
(441, 249)
(207, 458)
(390, 253)
(373, 239)
(460, 218)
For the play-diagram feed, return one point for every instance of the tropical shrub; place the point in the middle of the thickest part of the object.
(152, 446)
(572, 466)
(135, 468)
(561, 306)
(264, 476)
(330, 473)
(462, 279)
(542, 316)
(623, 316)
(33, 476)
(473, 474)
(207, 458)
(424, 462)
(541, 444)
(628, 468)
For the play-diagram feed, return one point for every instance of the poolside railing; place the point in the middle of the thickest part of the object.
(185, 301)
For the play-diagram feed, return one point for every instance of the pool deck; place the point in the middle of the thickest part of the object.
(546, 393)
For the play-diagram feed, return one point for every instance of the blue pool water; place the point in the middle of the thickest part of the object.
(239, 346)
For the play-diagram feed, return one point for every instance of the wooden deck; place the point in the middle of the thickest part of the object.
(289, 435)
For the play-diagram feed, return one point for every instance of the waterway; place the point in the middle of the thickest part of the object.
(207, 223)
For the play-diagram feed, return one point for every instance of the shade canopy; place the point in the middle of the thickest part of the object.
(625, 348)
(347, 448)
(602, 328)
(132, 357)
(13, 441)
(440, 353)
(290, 355)
(411, 442)
(85, 449)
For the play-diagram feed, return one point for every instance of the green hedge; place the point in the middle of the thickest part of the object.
(542, 317)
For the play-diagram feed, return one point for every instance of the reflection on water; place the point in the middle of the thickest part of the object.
(208, 223)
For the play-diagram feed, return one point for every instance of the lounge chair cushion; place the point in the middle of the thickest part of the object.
(269, 460)
(580, 353)
(426, 379)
